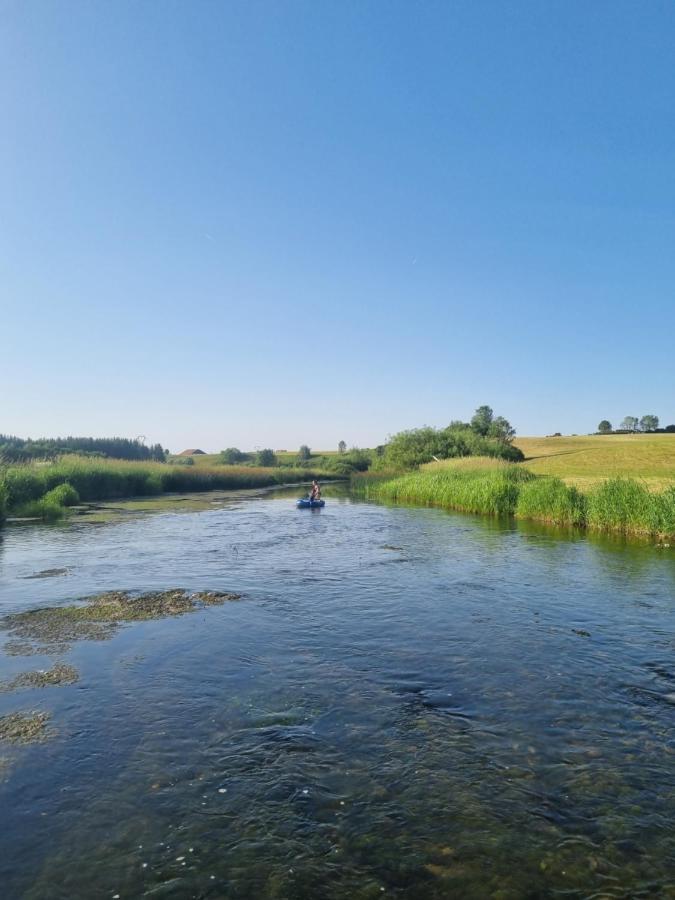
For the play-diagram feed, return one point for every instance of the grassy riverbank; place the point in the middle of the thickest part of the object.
(504, 489)
(45, 489)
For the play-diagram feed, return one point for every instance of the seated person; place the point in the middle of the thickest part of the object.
(316, 491)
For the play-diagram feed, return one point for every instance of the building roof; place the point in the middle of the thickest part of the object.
(192, 452)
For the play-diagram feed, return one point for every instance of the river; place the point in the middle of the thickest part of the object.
(403, 703)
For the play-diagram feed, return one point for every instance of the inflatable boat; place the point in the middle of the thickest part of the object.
(306, 503)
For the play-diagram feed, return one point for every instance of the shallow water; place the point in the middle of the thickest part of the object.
(405, 702)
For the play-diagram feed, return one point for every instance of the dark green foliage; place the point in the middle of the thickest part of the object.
(482, 420)
(15, 449)
(342, 447)
(409, 449)
(649, 423)
(3, 501)
(485, 424)
(304, 453)
(233, 456)
(265, 458)
(345, 464)
(605, 427)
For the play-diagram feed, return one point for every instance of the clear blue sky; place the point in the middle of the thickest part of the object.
(274, 223)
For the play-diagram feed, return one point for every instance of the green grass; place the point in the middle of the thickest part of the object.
(586, 460)
(44, 489)
(489, 491)
(506, 489)
(550, 500)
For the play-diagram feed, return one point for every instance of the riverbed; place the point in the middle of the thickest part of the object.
(401, 702)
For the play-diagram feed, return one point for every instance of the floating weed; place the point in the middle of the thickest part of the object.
(53, 629)
(24, 728)
(58, 675)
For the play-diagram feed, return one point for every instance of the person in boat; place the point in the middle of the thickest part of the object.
(315, 493)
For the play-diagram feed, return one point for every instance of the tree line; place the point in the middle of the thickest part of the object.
(15, 449)
(633, 425)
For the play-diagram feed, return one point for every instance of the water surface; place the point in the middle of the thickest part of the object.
(405, 702)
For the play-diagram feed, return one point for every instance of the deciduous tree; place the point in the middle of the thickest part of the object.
(649, 423)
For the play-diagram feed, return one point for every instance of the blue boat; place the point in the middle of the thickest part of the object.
(310, 504)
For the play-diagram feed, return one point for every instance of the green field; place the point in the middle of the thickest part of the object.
(586, 460)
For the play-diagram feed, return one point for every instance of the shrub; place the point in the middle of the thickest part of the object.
(232, 456)
(409, 449)
(266, 458)
(63, 494)
(153, 484)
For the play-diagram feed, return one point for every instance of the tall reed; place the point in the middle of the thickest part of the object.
(619, 504)
(103, 479)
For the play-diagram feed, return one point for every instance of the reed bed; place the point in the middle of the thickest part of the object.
(618, 504)
(38, 489)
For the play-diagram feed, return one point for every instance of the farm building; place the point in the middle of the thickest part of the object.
(192, 452)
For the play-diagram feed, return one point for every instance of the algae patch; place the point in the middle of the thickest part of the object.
(24, 728)
(48, 573)
(97, 618)
(57, 675)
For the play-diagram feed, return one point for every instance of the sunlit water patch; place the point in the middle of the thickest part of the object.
(402, 703)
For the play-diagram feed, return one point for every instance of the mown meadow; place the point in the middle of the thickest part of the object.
(585, 460)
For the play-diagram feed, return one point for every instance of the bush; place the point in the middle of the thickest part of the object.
(232, 456)
(63, 494)
(409, 449)
(153, 484)
(266, 458)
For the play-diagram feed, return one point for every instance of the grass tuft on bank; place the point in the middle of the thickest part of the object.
(44, 490)
(505, 489)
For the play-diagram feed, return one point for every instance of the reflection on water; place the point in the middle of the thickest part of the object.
(404, 702)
